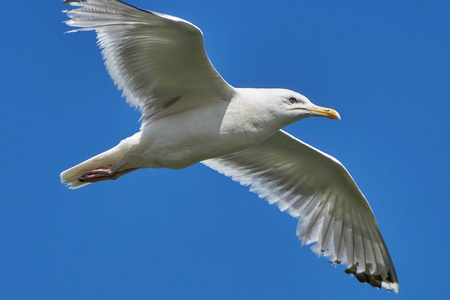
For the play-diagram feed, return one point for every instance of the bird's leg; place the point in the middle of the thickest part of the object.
(104, 173)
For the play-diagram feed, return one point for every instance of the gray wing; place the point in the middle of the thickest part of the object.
(315, 187)
(154, 58)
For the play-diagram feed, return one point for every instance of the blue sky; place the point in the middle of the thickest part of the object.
(193, 233)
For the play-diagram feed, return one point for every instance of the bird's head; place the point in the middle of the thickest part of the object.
(278, 107)
(294, 106)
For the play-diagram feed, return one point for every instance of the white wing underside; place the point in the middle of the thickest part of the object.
(315, 187)
(154, 58)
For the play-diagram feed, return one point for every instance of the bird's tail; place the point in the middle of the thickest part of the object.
(73, 177)
(110, 164)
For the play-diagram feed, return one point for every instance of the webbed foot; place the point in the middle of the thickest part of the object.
(103, 173)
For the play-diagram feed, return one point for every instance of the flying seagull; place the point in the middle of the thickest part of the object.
(190, 114)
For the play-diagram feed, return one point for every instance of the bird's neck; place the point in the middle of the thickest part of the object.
(247, 115)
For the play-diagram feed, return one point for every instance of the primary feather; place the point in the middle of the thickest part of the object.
(315, 187)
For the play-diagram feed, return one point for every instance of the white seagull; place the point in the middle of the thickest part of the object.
(190, 114)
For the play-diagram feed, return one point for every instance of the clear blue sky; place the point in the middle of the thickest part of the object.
(193, 233)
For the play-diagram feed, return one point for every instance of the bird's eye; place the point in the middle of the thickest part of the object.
(293, 100)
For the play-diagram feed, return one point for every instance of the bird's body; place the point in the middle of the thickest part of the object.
(191, 130)
(190, 115)
(220, 127)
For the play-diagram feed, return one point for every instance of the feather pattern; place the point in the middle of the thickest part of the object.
(154, 58)
(315, 187)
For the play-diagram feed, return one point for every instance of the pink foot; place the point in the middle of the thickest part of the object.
(103, 173)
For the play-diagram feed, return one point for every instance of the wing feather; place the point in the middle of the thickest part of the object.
(154, 58)
(332, 211)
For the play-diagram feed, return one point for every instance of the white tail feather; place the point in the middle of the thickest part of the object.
(115, 159)
(71, 177)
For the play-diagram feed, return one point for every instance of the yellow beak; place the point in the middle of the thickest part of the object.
(325, 112)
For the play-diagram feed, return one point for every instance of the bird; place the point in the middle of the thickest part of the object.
(190, 115)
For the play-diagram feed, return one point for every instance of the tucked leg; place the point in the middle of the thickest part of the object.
(103, 173)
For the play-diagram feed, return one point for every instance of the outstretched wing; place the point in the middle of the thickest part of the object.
(154, 58)
(315, 187)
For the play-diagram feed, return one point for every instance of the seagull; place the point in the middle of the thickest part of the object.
(190, 114)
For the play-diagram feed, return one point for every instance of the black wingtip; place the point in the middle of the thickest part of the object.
(374, 280)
